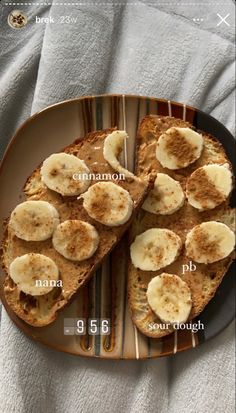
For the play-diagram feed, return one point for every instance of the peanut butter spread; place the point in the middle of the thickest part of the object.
(180, 148)
(203, 189)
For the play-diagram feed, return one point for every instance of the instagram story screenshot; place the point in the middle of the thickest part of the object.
(117, 206)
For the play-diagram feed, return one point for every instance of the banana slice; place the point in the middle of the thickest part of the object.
(29, 269)
(179, 147)
(66, 174)
(34, 220)
(76, 240)
(166, 197)
(209, 242)
(170, 298)
(209, 186)
(113, 146)
(154, 249)
(108, 203)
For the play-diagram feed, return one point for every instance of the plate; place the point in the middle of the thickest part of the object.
(97, 323)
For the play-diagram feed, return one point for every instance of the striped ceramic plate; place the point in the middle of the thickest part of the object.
(102, 305)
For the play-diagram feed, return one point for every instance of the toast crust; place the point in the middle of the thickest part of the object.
(42, 310)
(205, 280)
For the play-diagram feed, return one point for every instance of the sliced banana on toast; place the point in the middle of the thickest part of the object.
(179, 147)
(209, 242)
(28, 269)
(34, 220)
(209, 186)
(59, 170)
(108, 204)
(154, 249)
(113, 147)
(166, 197)
(170, 298)
(76, 240)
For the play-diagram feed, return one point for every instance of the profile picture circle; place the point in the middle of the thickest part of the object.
(17, 19)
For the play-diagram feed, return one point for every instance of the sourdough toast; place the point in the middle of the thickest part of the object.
(42, 310)
(205, 280)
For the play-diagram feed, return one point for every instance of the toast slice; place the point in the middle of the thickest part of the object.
(205, 280)
(42, 310)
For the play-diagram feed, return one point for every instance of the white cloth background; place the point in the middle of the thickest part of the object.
(139, 48)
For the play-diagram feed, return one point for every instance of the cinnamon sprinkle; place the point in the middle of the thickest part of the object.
(203, 189)
(180, 148)
(102, 204)
(205, 245)
(78, 235)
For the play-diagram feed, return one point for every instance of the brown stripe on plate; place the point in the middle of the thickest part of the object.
(142, 112)
(113, 293)
(162, 108)
(88, 311)
(169, 343)
(105, 304)
(114, 110)
(184, 339)
(104, 104)
(129, 336)
(87, 115)
(155, 347)
(81, 130)
(177, 111)
(153, 107)
(190, 114)
(131, 114)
